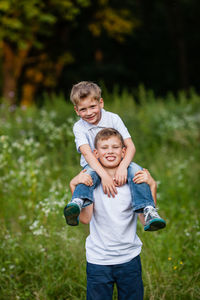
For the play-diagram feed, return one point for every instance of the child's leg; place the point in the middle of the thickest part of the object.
(142, 201)
(85, 192)
(82, 196)
(140, 193)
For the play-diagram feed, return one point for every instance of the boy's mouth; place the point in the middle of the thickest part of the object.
(110, 158)
(90, 117)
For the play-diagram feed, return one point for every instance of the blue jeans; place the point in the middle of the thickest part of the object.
(127, 276)
(140, 193)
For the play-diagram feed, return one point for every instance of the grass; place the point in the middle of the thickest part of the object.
(40, 256)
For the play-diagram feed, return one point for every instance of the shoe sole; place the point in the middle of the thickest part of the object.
(71, 213)
(155, 225)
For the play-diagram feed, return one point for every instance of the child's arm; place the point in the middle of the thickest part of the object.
(121, 173)
(86, 214)
(106, 180)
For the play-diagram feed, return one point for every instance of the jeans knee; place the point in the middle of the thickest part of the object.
(95, 177)
(133, 168)
(89, 170)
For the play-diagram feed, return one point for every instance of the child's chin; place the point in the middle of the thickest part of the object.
(112, 164)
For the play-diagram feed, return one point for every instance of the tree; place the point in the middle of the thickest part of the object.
(24, 25)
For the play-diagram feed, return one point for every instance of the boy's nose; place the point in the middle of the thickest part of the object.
(110, 150)
(89, 111)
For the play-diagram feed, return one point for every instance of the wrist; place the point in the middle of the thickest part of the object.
(103, 174)
(74, 181)
(72, 185)
(152, 183)
(123, 164)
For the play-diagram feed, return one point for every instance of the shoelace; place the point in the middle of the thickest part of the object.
(152, 211)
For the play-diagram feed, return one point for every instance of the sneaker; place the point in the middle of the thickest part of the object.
(153, 221)
(72, 211)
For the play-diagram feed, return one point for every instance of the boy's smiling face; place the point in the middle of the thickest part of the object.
(110, 152)
(89, 109)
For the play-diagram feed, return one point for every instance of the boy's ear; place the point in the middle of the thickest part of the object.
(96, 153)
(76, 110)
(101, 102)
(123, 152)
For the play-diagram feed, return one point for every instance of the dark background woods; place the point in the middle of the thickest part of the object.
(47, 47)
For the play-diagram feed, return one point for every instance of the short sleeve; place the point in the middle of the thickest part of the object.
(119, 125)
(80, 137)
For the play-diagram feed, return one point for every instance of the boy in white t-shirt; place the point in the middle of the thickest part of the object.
(113, 247)
(88, 104)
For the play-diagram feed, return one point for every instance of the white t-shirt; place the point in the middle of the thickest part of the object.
(113, 239)
(85, 132)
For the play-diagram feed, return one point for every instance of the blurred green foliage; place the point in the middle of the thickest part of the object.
(21, 20)
(43, 258)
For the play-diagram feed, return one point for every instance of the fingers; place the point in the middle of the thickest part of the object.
(139, 180)
(113, 190)
(115, 182)
(124, 180)
(106, 191)
(110, 190)
(139, 172)
(140, 177)
(85, 178)
(143, 171)
(88, 180)
(88, 183)
(120, 180)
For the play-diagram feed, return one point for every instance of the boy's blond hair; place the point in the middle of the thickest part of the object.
(84, 89)
(106, 133)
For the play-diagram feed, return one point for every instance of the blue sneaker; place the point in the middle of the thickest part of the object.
(72, 211)
(153, 221)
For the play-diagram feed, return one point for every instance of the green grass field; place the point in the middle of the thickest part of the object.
(41, 257)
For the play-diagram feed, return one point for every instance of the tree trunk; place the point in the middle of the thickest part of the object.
(9, 80)
(13, 61)
(28, 92)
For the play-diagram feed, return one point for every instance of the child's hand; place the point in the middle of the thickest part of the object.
(108, 185)
(143, 176)
(84, 178)
(121, 176)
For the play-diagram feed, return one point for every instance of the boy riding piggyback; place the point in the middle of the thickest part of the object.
(88, 104)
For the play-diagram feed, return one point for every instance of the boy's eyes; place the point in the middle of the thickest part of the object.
(106, 147)
(84, 109)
